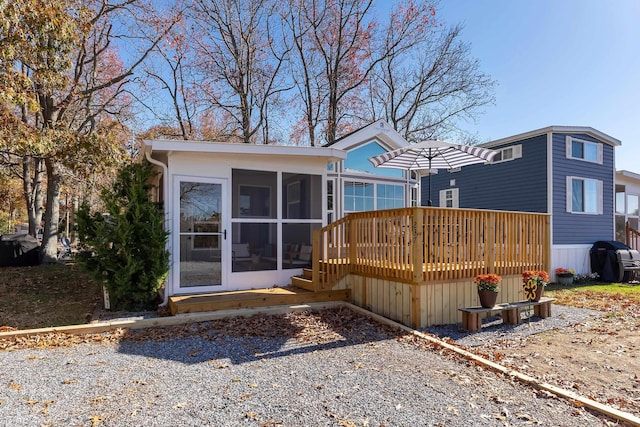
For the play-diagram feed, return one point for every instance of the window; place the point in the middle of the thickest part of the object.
(389, 196)
(587, 151)
(357, 161)
(414, 195)
(508, 153)
(620, 207)
(368, 196)
(584, 195)
(632, 205)
(330, 200)
(358, 196)
(449, 198)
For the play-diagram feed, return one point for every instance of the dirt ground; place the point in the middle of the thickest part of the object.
(598, 359)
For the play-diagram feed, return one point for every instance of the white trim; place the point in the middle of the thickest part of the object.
(379, 130)
(569, 195)
(332, 154)
(550, 184)
(455, 198)
(225, 228)
(569, 140)
(627, 174)
(601, 136)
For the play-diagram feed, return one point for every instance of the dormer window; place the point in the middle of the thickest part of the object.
(508, 153)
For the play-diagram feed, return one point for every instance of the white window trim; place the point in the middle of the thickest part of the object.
(569, 187)
(569, 152)
(455, 197)
(516, 150)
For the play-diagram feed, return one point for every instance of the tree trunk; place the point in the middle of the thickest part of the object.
(52, 212)
(73, 226)
(32, 191)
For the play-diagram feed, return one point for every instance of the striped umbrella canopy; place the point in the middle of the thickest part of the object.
(431, 155)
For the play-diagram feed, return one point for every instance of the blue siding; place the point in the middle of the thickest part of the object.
(581, 228)
(515, 185)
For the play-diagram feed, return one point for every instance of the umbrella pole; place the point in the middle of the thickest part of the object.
(429, 200)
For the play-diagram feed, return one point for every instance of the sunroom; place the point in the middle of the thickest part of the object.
(240, 216)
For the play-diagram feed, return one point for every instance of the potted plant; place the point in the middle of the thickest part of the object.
(487, 289)
(533, 284)
(564, 276)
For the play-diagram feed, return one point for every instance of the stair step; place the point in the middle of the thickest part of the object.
(308, 273)
(302, 282)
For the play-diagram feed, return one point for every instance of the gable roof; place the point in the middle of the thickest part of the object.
(594, 133)
(379, 131)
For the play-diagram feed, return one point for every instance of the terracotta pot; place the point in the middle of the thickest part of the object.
(487, 298)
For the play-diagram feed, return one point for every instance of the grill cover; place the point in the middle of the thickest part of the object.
(614, 261)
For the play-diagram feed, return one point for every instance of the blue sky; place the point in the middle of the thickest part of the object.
(557, 62)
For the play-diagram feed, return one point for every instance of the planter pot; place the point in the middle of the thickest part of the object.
(487, 298)
(537, 295)
(565, 280)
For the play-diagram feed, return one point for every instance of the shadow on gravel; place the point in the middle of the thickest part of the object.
(241, 340)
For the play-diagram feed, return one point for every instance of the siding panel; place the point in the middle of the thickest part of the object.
(515, 185)
(581, 228)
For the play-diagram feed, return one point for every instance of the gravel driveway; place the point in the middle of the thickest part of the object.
(331, 368)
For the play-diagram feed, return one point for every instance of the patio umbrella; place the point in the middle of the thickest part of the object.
(432, 154)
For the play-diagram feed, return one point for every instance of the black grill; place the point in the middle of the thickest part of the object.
(614, 261)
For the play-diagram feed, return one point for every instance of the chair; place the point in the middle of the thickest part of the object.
(240, 252)
(65, 250)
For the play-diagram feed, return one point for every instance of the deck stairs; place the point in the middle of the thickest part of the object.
(300, 292)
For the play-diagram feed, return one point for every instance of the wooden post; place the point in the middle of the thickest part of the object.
(547, 243)
(490, 243)
(352, 239)
(315, 260)
(417, 243)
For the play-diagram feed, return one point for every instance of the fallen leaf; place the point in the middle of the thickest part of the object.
(96, 419)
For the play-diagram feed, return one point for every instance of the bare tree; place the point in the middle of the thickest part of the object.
(425, 90)
(242, 58)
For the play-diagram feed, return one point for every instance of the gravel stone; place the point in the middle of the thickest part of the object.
(367, 376)
(493, 328)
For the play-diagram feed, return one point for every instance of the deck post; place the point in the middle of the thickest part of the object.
(352, 241)
(490, 243)
(547, 244)
(315, 260)
(417, 243)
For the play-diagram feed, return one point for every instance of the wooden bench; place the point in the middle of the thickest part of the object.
(472, 319)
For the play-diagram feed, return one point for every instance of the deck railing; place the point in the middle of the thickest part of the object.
(633, 237)
(423, 244)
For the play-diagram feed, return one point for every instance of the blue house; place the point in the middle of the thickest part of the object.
(566, 171)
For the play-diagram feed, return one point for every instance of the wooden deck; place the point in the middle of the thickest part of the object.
(252, 298)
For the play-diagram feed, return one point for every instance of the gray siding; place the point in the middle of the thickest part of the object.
(515, 185)
(581, 228)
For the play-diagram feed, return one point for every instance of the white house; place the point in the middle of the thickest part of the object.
(242, 216)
